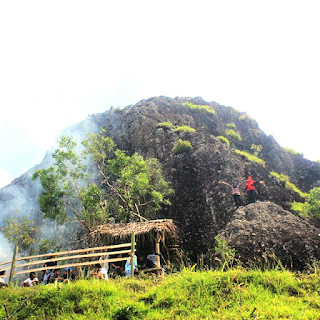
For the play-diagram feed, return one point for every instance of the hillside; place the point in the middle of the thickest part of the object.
(235, 294)
(201, 206)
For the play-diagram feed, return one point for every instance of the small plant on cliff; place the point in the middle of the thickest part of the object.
(251, 157)
(256, 149)
(245, 116)
(181, 146)
(293, 152)
(231, 125)
(235, 135)
(289, 185)
(224, 140)
(199, 108)
(165, 125)
(184, 129)
(225, 252)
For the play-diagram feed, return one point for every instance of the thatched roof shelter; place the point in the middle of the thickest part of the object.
(144, 231)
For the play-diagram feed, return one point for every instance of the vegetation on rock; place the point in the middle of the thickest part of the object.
(181, 146)
(289, 185)
(165, 125)
(235, 135)
(293, 152)
(224, 139)
(251, 157)
(184, 129)
(231, 125)
(198, 107)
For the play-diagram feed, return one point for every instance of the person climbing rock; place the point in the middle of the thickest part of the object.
(235, 192)
(250, 189)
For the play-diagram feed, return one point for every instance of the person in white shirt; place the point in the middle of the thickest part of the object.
(31, 281)
(2, 274)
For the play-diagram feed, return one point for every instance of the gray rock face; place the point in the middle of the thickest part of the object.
(201, 206)
(264, 228)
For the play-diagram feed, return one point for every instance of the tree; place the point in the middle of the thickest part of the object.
(131, 186)
(137, 183)
(67, 189)
(20, 231)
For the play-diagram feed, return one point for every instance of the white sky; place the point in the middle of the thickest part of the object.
(63, 60)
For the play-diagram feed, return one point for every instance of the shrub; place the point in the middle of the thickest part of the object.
(181, 146)
(231, 125)
(245, 116)
(251, 157)
(235, 135)
(199, 108)
(318, 161)
(293, 152)
(297, 207)
(312, 205)
(289, 185)
(223, 250)
(184, 129)
(165, 125)
(225, 140)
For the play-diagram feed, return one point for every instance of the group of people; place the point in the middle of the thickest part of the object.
(100, 270)
(249, 190)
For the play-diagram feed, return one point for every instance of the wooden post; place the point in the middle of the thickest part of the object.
(157, 250)
(133, 241)
(13, 265)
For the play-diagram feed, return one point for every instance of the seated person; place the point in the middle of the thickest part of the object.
(69, 275)
(2, 275)
(56, 276)
(128, 266)
(151, 260)
(100, 272)
(31, 281)
(117, 267)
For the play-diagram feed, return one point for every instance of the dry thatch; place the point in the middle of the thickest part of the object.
(114, 232)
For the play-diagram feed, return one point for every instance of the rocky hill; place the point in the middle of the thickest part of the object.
(201, 206)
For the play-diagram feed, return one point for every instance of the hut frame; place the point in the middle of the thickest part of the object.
(155, 233)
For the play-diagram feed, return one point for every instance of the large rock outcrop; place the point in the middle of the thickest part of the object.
(263, 230)
(201, 206)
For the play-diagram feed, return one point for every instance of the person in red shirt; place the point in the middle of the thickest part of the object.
(250, 189)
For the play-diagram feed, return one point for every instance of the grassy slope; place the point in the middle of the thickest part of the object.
(235, 294)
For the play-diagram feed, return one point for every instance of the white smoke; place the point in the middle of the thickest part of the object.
(21, 196)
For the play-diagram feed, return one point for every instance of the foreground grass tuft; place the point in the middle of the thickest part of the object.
(234, 294)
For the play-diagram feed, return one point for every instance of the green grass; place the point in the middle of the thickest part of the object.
(165, 125)
(184, 129)
(235, 135)
(293, 152)
(199, 108)
(251, 157)
(231, 125)
(181, 146)
(234, 294)
(224, 139)
(289, 185)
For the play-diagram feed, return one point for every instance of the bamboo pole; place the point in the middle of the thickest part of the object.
(54, 254)
(133, 241)
(13, 264)
(157, 250)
